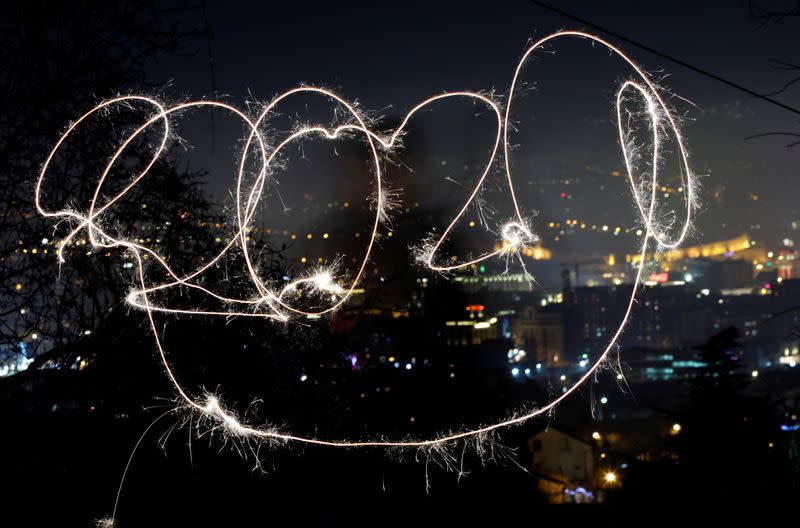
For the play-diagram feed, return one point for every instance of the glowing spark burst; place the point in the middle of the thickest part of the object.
(271, 303)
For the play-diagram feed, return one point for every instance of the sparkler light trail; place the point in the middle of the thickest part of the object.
(269, 302)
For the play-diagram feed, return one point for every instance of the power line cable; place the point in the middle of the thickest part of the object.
(661, 54)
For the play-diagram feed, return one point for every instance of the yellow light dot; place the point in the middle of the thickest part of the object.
(309, 236)
(472, 223)
(610, 477)
(596, 435)
(18, 287)
(294, 237)
(325, 235)
(303, 259)
(676, 427)
(391, 234)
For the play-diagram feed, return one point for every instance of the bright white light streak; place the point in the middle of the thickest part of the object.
(269, 303)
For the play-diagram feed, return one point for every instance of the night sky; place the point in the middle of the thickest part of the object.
(389, 57)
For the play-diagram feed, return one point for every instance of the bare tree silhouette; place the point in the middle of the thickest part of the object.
(766, 16)
(59, 59)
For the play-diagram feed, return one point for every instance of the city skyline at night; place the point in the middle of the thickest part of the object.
(326, 263)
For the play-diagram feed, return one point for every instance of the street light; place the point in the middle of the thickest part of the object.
(610, 477)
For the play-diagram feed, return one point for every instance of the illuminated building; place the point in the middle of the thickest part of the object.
(535, 252)
(790, 353)
(649, 364)
(510, 283)
(787, 264)
(741, 247)
(541, 331)
(565, 466)
(727, 266)
(590, 314)
(472, 331)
